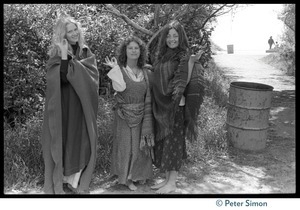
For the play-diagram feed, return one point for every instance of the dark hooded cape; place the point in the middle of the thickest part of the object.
(83, 75)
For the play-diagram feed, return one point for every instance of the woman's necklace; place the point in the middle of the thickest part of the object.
(136, 72)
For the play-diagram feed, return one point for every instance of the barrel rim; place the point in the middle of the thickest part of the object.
(237, 84)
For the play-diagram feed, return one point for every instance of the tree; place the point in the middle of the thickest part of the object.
(27, 37)
(287, 48)
(28, 29)
(196, 19)
(287, 16)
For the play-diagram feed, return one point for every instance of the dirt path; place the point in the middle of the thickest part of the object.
(273, 169)
(269, 171)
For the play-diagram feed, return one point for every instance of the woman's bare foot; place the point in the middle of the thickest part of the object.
(167, 188)
(142, 181)
(170, 185)
(131, 186)
(159, 185)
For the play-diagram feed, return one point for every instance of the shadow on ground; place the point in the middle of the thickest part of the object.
(269, 171)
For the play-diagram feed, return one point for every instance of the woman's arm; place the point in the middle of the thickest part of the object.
(64, 69)
(116, 76)
(180, 76)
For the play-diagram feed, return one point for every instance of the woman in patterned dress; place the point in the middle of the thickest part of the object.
(171, 66)
(133, 126)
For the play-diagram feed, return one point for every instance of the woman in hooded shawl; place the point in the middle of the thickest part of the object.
(133, 136)
(69, 128)
(172, 66)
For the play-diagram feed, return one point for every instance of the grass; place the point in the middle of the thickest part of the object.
(23, 162)
(212, 140)
(283, 59)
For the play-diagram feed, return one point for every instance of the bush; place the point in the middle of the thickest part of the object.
(287, 56)
(104, 144)
(283, 59)
(212, 139)
(23, 161)
(24, 60)
(27, 37)
(217, 85)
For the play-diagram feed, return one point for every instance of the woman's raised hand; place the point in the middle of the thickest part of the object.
(63, 45)
(112, 63)
(194, 58)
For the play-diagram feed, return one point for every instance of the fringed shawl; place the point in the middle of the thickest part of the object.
(147, 133)
(147, 124)
(194, 94)
(169, 81)
(83, 75)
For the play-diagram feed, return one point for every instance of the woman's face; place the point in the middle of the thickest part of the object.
(172, 39)
(133, 51)
(72, 33)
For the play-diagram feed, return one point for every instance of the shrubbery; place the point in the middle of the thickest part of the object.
(287, 56)
(23, 160)
(27, 36)
(24, 166)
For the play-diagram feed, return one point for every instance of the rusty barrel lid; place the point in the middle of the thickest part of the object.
(251, 86)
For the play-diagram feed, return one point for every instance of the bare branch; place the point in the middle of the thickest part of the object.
(156, 15)
(116, 12)
(212, 15)
(182, 13)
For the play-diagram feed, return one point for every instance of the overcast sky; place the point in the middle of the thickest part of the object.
(250, 28)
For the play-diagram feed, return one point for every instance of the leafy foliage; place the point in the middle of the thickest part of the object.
(24, 56)
(287, 48)
(27, 36)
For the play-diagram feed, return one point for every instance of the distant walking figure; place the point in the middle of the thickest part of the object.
(271, 42)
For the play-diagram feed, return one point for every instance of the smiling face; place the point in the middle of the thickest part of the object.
(172, 39)
(72, 33)
(133, 51)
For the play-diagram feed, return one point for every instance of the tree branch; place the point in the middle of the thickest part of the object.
(156, 15)
(116, 12)
(288, 25)
(212, 15)
(182, 13)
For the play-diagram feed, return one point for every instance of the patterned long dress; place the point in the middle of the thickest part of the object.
(128, 161)
(170, 146)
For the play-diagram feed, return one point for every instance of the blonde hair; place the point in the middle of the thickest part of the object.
(59, 33)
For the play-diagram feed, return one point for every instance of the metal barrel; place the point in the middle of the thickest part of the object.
(248, 115)
(230, 49)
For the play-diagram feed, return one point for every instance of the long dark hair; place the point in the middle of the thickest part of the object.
(122, 56)
(162, 45)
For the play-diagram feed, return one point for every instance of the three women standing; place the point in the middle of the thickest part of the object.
(69, 133)
(133, 136)
(69, 129)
